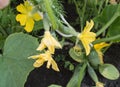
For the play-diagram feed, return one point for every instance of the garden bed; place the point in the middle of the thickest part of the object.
(43, 77)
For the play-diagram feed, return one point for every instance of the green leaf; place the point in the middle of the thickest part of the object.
(78, 75)
(107, 13)
(77, 56)
(92, 74)
(92, 3)
(94, 58)
(38, 25)
(114, 29)
(109, 71)
(14, 64)
(110, 13)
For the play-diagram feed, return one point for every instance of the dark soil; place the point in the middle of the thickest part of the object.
(43, 77)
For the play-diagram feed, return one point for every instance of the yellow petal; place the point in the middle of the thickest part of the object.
(57, 44)
(22, 19)
(21, 8)
(89, 36)
(48, 64)
(98, 48)
(28, 6)
(41, 46)
(34, 57)
(86, 39)
(47, 40)
(29, 25)
(88, 26)
(86, 46)
(100, 56)
(54, 66)
(39, 62)
(37, 16)
(101, 45)
(53, 63)
(49, 44)
(51, 49)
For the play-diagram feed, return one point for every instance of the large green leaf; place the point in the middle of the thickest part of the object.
(78, 75)
(114, 29)
(109, 71)
(110, 13)
(107, 13)
(14, 64)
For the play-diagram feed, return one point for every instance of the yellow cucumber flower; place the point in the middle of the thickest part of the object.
(27, 15)
(98, 48)
(99, 84)
(45, 57)
(87, 37)
(50, 42)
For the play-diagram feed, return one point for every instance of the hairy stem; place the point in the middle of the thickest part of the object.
(107, 39)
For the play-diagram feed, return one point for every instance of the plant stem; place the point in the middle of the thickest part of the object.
(3, 31)
(106, 39)
(77, 8)
(83, 13)
(106, 3)
(107, 24)
(67, 30)
(50, 14)
(100, 7)
(81, 75)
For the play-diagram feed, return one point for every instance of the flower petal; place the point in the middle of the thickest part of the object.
(28, 6)
(101, 45)
(57, 44)
(34, 57)
(48, 64)
(39, 62)
(86, 46)
(22, 19)
(49, 44)
(88, 26)
(54, 66)
(37, 16)
(29, 25)
(89, 36)
(100, 54)
(41, 46)
(21, 8)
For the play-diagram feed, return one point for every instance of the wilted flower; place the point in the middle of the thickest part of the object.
(45, 57)
(28, 15)
(98, 48)
(87, 37)
(49, 42)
